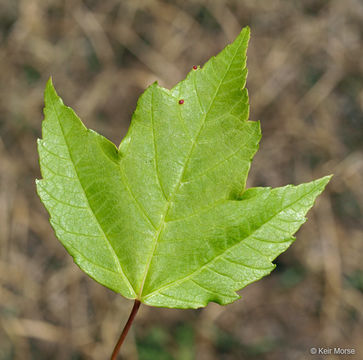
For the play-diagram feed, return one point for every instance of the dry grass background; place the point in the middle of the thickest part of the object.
(305, 84)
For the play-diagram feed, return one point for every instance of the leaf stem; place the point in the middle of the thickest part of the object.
(126, 329)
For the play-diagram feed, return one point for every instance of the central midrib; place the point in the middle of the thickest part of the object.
(171, 199)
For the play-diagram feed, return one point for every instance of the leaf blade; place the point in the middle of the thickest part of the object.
(60, 120)
(156, 218)
(248, 244)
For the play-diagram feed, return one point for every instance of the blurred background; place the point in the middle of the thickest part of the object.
(305, 85)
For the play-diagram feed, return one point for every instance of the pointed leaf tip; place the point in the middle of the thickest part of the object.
(49, 92)
(247, 29)
(49, 86)
(324, 180)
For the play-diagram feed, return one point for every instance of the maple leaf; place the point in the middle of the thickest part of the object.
(165, 218)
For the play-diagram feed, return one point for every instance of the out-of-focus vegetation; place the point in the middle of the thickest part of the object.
(305, 85)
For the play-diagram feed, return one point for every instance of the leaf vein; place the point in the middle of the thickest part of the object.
(153, 293)
(171, 199)
(55, 173)
(116, 259)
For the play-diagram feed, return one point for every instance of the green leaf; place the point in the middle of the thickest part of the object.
(166, 218)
